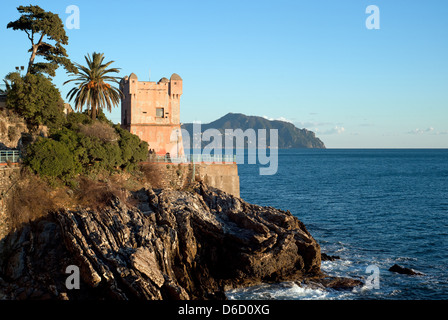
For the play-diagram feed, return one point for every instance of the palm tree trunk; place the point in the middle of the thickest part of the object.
(93, 112)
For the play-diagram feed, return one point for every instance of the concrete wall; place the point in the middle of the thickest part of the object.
(221, 176)
(170, 175)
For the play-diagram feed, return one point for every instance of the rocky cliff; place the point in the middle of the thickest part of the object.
(11, 129)
(170, 245)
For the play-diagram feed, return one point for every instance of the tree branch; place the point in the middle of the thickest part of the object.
(29, 36)
(41, 38)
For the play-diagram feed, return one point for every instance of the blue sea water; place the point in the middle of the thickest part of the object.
(370, 207)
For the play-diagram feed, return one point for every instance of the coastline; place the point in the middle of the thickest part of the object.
(370, 207)
(175, 243)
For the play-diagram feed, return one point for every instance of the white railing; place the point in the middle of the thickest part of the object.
(9, 156)
(194, 158)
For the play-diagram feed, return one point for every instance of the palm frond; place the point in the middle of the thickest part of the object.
(92, 85)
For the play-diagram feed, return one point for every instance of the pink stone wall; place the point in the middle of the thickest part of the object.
(142, 114)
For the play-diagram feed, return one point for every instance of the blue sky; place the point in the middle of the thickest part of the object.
(313, 62)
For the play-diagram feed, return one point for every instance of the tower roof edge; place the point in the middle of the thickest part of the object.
(175, 76)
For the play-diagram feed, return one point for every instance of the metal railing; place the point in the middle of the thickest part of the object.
(211, 158)
(195, 158)
(9, 156)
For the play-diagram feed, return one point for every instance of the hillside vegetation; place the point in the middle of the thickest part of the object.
(289, 136)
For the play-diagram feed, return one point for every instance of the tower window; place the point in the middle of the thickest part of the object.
(160, 112)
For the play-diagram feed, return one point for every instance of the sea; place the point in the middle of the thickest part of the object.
(371, 207)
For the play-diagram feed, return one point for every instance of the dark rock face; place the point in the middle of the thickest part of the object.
(326, 257)
(178, 245)
(399, 269)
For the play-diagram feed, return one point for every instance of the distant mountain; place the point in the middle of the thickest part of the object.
(289, 136)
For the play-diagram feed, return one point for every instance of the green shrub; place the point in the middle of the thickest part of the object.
(86, 147)
(133, 150)
(51, 158)
(37, 100)
(75, 119)
(102, 156)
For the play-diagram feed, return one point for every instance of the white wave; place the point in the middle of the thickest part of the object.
(336, 267)
(280, 291)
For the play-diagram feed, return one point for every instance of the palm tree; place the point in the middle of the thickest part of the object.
(91, 87)
(8, 81)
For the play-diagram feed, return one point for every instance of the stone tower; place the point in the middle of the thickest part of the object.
(151, 110)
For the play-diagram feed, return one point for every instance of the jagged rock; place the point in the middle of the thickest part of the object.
(326, 257)
(399, 269)
(323, 282)
(189, 245)
(341, 283)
